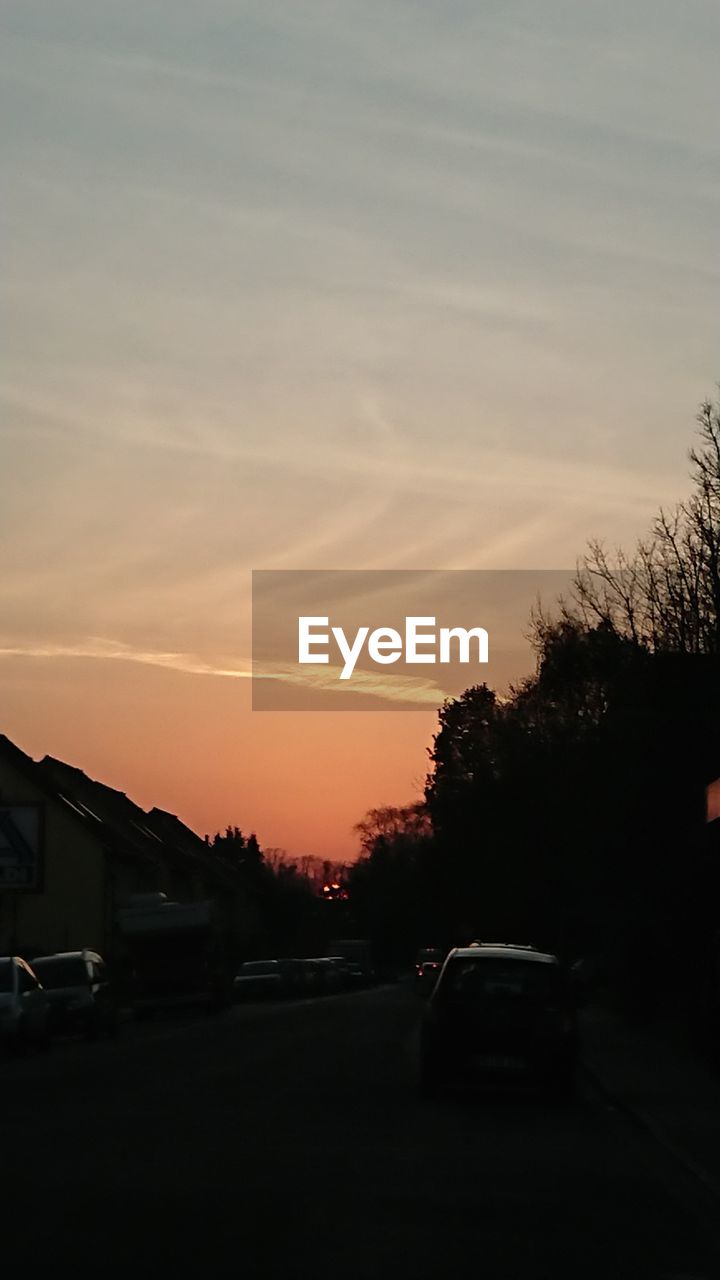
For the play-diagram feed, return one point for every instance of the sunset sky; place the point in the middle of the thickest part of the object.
(326, 284)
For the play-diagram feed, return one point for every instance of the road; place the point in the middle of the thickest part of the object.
(290, 1141)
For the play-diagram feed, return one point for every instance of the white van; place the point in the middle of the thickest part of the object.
(24, 1006)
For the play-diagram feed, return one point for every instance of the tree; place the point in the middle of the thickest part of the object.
(666, 596)
(390, 887)
(570, 813)
(242, 853)
(392, 825)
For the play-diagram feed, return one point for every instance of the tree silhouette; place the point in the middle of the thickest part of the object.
(571, 813)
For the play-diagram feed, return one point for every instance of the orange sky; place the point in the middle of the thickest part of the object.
(190, 744)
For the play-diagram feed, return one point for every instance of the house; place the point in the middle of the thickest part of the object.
(73, 851)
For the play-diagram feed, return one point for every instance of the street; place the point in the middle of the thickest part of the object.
(290, 1140)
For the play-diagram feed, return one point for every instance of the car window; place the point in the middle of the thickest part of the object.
(493, 980)
(62, 971)
(6, 976)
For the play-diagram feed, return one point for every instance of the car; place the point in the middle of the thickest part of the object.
(309, 978)
(357, 976)
(426, 974)
(499, 1012)
(260, 980)
(24, 1006)
(428, 956)
(295, 976)
(330, 975)
(342, 964)
(79, 993)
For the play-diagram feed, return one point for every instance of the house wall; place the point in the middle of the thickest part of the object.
(69, 910)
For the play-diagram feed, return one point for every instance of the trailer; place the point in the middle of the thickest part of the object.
(170, 954)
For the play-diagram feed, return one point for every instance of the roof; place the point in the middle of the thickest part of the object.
(85, 954)
(106, 813)
(127, 831)
(497, 951)
(117, 821)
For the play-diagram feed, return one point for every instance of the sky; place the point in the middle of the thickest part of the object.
(325, 284)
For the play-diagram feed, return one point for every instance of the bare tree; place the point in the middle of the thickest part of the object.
(666, 595)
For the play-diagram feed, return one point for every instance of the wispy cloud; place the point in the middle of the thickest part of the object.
(386, 687)
(114, 651)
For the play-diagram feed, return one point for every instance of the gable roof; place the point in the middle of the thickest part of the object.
(126, 830)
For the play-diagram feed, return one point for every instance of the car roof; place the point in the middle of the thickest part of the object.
(69, 955)
(499, 951)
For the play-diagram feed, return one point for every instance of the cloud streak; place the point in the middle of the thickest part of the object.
(385, 687)
(100, 650)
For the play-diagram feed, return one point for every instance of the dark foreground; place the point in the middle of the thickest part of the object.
(291, 1141)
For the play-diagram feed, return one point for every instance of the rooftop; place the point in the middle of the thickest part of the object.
(126, 829)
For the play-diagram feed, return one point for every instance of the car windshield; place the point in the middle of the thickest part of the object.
(64, 971)
(6, 975)
(484, 980)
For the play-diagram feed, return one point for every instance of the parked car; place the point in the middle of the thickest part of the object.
(499, 1012)
(295, 976)
(342, 964)
(358, 954)
(79, 992)
(330, 975)
(357, 975)
(313, 973)
(24, 1006)
(260, 980)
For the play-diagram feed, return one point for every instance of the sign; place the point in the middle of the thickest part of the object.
(20, 846)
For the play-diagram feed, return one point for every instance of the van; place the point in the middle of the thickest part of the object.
(79, 992)
(24, 1007)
